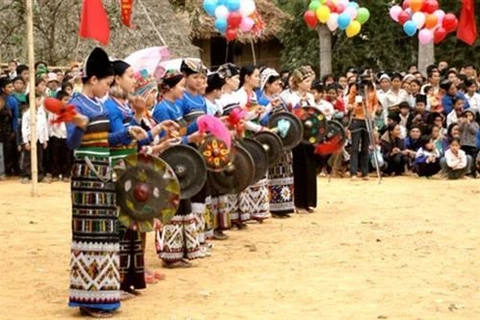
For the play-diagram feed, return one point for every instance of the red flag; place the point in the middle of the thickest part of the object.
(467, 27)
(94, 21)
(126, 10)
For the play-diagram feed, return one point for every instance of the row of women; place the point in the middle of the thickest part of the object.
(113, 120)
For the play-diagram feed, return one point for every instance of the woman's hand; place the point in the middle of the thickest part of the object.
(137, 133)
(196, 137)
(80, 121)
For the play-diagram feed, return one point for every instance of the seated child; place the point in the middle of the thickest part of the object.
(456, 162)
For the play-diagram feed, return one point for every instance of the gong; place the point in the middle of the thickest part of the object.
(216, 153)
(146, 189)
(259, 156)
(238, 176)
(288, 127)
(334, 140)
(189, 167)
(272, 144)
(314, 124)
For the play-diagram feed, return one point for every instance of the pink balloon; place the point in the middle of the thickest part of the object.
(409, 11)
(246, 24)
(351, 11)
(394, 12)
(340, 7)
(425, 36)
(440, 15)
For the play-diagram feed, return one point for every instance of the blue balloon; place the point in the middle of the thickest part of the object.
(232, 5)
(221, 25)
(209, 6)
(344, 21)
(221, 2)
(410, 28)
(354, 4)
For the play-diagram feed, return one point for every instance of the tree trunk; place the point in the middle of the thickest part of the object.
(426, 56)
(325, 38)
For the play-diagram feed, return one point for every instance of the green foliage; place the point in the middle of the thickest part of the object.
(381, 45)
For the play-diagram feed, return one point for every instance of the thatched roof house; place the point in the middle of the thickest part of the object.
(214, 49)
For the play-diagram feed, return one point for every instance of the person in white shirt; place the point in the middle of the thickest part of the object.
(61, 155)
(42, 141)
(384, 83)
(472, 96)
(325, 107)
(457, 111)
(456, 162)
(396, 94)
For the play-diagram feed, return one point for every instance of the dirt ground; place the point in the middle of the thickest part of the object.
(408, 249)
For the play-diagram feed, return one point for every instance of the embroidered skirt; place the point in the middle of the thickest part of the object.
(179, 238)
(254, 201)
(280, 185)
(94, 265)
(132, 262)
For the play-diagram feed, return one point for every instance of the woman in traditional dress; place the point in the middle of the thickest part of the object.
(228, 102)
(94, 275)
(178, 241)
(304, 160)
(280, 176)
(254, 199)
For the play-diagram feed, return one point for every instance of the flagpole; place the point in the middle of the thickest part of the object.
(153, 24)
(33, 111)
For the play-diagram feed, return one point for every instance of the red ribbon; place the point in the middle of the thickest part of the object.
(126, 12)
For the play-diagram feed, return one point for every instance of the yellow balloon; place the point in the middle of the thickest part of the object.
(323, 12)
(353, 29)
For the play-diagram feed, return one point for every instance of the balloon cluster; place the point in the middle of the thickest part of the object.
(337, 14)
(424, 15)
(232, 16)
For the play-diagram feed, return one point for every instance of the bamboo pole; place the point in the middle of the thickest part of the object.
(252, 46)
(33, 109)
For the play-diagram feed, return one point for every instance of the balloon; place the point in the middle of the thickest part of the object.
(403, 17)
(431, 21)
(419, 19)
(231, 34)
(331, 5)
(221, 12)
(234, 19)
(406, 4)
(247, 7)
(332, 22)
(409, 11)
(416, 5)
(440, 15)
(232, 5)
(450, 22)
(351, 11)
(323, 12)
(430, 6)
(209, 6)
(394, 12)
(353, 5)
(439, 34)
(309, 17)
(221, 24)
(353, 29)
(248, 23)
(363, 15)
(425, 36)
(410, 28)
(344, 21)
(314, 5)
(341, 7)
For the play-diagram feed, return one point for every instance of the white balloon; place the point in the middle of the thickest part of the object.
(332, 22)
(247, 7)
(221, 12)
(419, 19)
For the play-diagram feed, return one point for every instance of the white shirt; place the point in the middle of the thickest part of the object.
(394, 99)
(57, 130)
(42, 126)
(458, 161)
(452, 118)
(474, 102)
(326, 108)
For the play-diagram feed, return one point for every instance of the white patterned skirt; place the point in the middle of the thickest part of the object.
(254, 201)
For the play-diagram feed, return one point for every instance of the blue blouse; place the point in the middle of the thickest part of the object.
(167, 110)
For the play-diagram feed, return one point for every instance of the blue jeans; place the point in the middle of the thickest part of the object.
(2, 161)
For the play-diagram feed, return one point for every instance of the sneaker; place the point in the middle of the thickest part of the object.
(46, 180)
(25, 180)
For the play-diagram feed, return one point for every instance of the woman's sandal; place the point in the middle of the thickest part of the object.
(96, 313)
(177, 265)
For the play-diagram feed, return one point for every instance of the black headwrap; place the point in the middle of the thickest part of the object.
(228, 70)
(119, 67)
(97, 64)
(190, 66)
(170, 80)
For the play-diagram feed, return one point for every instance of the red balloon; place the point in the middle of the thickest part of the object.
(234, 19)
(450, 22)
(231, 34)
(406, 4)
(330, 4)
(403, 17)
(439, 34)
(310, 18)
(430, 6)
